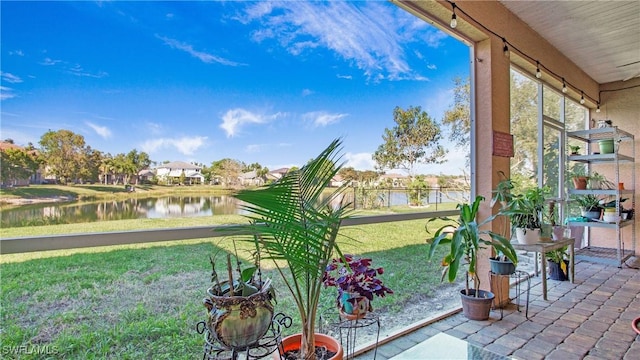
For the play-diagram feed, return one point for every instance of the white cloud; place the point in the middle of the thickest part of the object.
(359, 161)
(254, 148)
(348, 77)
(322, 118)
(307, 92)
(154, 128)
(184, 145)
(16, 52)
(6, 93)
(370, 35)
(103, 131)
(50, 62)
(77, 70)
(10, 78)
(235, 119)
(202, 56)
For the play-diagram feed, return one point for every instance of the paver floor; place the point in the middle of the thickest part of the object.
(588, 319)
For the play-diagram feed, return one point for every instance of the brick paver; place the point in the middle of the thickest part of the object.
(590, 319)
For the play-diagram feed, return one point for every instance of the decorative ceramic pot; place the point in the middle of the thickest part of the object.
(238, 321)
(353, 306)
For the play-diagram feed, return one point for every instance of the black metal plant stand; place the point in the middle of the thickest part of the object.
(269, 343)
(519, 277)
(347, 330)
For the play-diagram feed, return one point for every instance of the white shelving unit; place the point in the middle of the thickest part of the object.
(619, 254)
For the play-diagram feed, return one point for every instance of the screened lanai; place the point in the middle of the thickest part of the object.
(586, 53)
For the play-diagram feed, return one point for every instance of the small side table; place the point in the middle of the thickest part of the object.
(519, 277)
(543, 248)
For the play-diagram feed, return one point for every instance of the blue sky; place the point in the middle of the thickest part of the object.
(263, 82)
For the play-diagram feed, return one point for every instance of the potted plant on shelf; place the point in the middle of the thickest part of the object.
(295, 222)
(590, 207)
(578, 174)
(558, 264)
(465, 240)
(525, 212)
(357, 283)
(574, 149)
(598, 181)
(240, 308)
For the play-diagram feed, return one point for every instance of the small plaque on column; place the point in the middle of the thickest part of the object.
(502, 144)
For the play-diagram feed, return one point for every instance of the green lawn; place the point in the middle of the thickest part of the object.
(143, 301)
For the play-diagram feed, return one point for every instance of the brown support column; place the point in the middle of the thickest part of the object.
(492, 73)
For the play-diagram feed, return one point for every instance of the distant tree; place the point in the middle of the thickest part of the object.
(228, 170)
(105, 168)
(90, 165)
(17, 164)
(183, 177)
(348, 174)
(458, 116)
(418, 190)
(415, 139)
(62, 151)
(137, 161)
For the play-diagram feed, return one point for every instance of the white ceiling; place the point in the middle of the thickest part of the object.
(601, 37)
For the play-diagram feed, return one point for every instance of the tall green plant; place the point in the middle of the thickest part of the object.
(296, 226)
(464, 237)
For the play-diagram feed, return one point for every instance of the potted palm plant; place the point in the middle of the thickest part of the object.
(465, 240)
(295, 223)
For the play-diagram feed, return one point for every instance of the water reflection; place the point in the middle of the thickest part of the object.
(187, 206)
(121, 209)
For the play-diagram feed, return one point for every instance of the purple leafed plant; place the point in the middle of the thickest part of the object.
(355, 276)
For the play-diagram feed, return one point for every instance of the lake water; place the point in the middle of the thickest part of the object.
(161, 207)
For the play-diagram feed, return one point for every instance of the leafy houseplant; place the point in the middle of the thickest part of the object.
(578, 174)
(465, 239)
(558, 264)
(574, 149)
(525, 212)
(589, 205)
(357, 283)
(295, 224)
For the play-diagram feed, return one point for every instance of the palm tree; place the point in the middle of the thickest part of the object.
(296, 225)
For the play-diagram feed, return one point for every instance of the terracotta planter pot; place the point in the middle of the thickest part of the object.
(635, 324)
(580, 183)
(476, 308)
(291, 343)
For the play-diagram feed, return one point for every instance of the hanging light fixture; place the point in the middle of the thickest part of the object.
(581, 97)
(505, 48)
(598, 107)
(538, 72)
(564, 86)
(454, 20)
